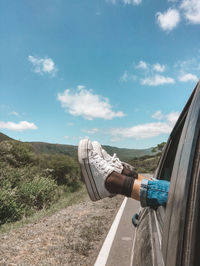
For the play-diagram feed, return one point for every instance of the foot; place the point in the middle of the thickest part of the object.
(112, 160)
(94, 169)
(120, 167)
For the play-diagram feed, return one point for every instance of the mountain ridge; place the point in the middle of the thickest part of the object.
(71, 150)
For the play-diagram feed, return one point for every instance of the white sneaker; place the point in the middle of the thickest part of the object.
(112, 160)
(94, 169)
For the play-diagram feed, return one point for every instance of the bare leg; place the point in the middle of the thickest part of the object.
(140, 177)
(120, 184)
(115, 185)
(135, 194)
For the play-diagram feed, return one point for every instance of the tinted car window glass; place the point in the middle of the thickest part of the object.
(167, 167)
(167, 164)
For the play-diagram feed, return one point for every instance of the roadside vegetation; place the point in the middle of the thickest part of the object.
(148, 163)
(30, 182)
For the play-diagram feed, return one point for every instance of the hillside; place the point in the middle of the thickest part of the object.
(146, 163)
(4, 137)
(70, 150)
(127, 154)
(48, 148)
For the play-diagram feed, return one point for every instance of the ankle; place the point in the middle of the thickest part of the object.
(135, 194)
(114, 183)
(129, 172)
(119, 184)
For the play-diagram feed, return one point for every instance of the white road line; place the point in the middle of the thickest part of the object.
(105, 250)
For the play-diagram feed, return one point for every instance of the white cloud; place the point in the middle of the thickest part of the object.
(155, 67)
(21, 126)
(126, 77)
(85, 103)
(43, 65)
(172, 118)
(14, 113)
(186, 65)
(92, 131)
(191, 10)
(168, 20)
(111, 1)
(157, 115)
(188, 69)
(158, 67)
(137, 2)
(157, 80)
(70, 124)
(188, 77)
(149, 74)
(80, 87)
(147, 130)
(142, 65)
(132, 2)
(125, 2)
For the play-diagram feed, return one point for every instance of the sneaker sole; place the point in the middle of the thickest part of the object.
(86, 170)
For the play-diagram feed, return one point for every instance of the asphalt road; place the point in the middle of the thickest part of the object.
(122, 247)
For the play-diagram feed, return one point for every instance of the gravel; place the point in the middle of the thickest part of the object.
(71, 236)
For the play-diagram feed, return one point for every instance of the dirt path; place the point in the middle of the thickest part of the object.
(72, 236)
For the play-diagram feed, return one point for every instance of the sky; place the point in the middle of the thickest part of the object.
(116, 71)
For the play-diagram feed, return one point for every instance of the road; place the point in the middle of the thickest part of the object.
(119, 243)
(118, 251)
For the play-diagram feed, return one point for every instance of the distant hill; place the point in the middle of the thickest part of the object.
(71, 150)
(4, 137)
(127, 154)
(48, 148)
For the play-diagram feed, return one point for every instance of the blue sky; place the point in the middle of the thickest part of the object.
(117, 71)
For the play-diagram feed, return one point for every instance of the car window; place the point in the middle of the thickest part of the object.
(166, 167)
(167, 163)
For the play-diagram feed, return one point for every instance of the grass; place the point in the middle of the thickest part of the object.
(68, 200)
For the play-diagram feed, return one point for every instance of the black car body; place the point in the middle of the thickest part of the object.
(171, 235)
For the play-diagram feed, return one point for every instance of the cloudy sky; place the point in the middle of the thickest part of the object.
(117, 71)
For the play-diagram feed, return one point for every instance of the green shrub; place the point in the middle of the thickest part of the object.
(17, 153)
(30, 182)
(64, 170)
(15, 176)
(9, 210)
(36, 194)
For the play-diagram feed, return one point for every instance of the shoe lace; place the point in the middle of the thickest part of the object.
(115, 158)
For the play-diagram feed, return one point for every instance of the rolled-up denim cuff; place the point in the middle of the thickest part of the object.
(157, 193)
(143, 192)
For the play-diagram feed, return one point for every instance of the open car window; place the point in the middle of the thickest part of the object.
(167, 163)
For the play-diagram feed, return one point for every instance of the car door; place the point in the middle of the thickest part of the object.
(164, 236)
(181, 207)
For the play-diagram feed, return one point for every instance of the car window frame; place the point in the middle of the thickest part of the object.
(160, 212)
(174, 219)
